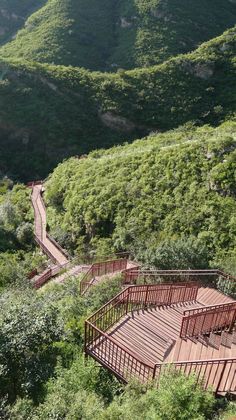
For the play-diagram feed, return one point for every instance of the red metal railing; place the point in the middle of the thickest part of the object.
(116, 357)
(32, 274)
(208, 319)
(219, 374)
(101, 269)
(132, 275)
(48, 274)
(33, 183)
(213, 278)
(140, 297)
(110, 353)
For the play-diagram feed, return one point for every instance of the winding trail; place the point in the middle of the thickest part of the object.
(53, 250)
(62, 267)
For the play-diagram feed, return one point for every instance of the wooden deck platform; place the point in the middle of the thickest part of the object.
(154, 333)
(143, 339)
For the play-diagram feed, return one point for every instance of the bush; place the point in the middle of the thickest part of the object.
(179, 254)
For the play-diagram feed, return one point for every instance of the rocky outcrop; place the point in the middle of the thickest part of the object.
(125, 23)
(116, 122)
(202, 70)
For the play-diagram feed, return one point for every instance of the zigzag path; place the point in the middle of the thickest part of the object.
(50, 247)
(40, 222)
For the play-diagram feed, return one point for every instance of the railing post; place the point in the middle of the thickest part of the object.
(182, 327)
(154, 372)
(169, 296)
(85, 336)
(221, 376)
(127, 302)
(146, 296)
(233, 322)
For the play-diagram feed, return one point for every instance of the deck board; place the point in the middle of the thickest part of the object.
(154, 335)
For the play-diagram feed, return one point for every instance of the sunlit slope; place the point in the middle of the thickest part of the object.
(111, 34)
(51, 112)
(13, 14)
(173, 185)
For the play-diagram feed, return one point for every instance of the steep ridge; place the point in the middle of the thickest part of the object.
(13, 14)
(111, 34)
(134, 197)
(69, 32)
(69, 111)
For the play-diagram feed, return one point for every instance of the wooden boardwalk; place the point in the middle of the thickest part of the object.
(60, 267)
(155, 332)
(142, 341)
(40, 222)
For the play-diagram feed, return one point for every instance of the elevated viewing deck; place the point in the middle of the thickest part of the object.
(145, 328)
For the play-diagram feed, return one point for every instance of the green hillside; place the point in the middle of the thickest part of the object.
(13, 14)
(51, 112)
(111, 34)
(180, 184)
(126, 109)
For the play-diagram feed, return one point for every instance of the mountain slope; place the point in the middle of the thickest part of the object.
(51, 112)
(66, 32)
(106, 34)
(172, 185)
(13, 14)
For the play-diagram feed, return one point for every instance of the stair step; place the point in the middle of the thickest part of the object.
(226, 339)
(203, 340)
(234, 337)
(214, 340)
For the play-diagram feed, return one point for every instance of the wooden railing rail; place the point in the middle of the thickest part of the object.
(51, 272)
(45, 249)
(219, 374)
(132, 275)
(58, 246)
(136, 298)
(40, 216)
(119, 359)
(208, 308)
(33, 183)
(101, 269)
(140, 297)
(208, 319)
(213, 278)
(226, 275)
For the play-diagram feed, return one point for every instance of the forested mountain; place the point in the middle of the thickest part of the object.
(180, 184)
(80, 82)
(13, 14)
(111, 34)
(51, 112)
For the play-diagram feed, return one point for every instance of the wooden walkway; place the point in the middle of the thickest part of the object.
(144, 340)
(155, 332)
(61, 268)
(40, 222)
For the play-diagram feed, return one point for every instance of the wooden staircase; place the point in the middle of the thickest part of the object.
(213, 345)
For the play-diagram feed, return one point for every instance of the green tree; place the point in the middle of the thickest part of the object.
(185, 253)
(28, 328)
